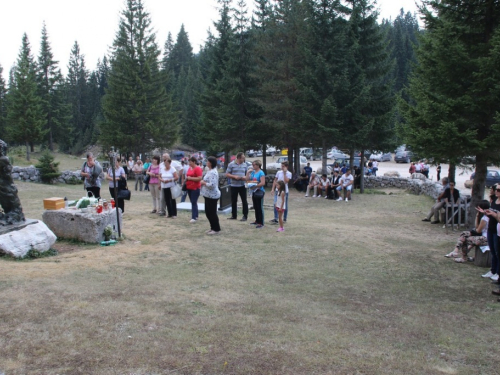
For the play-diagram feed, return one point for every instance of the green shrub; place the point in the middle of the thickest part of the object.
(49, 170)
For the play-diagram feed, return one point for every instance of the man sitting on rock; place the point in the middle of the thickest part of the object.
(323, 185)
(313, 184)
(332, 189)
(346, 182)
(440, 202)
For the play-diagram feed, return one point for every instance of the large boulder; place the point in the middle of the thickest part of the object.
(18, 243)
(76, 225)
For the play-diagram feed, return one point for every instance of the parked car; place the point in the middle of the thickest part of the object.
(276, 166)
(336, 154)
(469, 160)
(403, 157)
(346, 161)
(311, 154)
(492, 177)
(381, 156)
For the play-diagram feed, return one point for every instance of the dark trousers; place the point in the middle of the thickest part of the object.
(119, 202)
(95, 190)
(258, 206)
(493, 245)
(193, 197)
(211, 213)
(170, 203)
(242, 191)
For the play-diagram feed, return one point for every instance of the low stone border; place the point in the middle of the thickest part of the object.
(414, 186)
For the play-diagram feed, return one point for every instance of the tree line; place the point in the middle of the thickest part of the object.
(293, 73)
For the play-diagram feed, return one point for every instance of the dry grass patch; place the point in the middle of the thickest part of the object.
(349, 288)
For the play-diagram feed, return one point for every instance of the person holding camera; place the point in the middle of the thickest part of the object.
(90, 172)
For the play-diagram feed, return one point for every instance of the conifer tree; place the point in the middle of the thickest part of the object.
(25, 110)
(228, 112)
(454, 89)
(139, 114)
(76, 94)
(51, 90)
(368, 99)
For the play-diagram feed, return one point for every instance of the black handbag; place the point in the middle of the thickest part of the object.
(258, 193)
(184, 187)
(124, 194)
(146, 179)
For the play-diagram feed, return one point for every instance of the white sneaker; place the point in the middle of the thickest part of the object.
(326, 197)
(347, 200)
(338, 200)
(193, 221)
(487, 274)
(314, 196)
(494, 277)
(306, 195)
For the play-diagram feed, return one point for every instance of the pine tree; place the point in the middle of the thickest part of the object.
(51, 90)
(454, 89)
(25, 113)
(76, 94)
(368, 98)
(280, 50)
(139, 114)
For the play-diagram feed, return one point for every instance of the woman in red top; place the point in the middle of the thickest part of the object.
(193, 185)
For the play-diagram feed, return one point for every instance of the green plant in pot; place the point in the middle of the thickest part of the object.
(108, 231)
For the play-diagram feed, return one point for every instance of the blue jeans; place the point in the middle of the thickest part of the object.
(276, 211)
(193, 197)
(493, 245)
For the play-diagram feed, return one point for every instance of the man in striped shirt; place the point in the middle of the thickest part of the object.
(237, 171)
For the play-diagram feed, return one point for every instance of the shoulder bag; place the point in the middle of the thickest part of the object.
(147, 177)
(176, 191)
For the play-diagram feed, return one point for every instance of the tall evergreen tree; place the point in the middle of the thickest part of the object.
(228, 112)
(454, 91)
(139, 114)
(51, 90)
(25, 108)
(280, 48)
(368, 98)
(76, 94)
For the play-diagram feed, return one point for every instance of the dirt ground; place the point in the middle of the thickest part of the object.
(357, 287)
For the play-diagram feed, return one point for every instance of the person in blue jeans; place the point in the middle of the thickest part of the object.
(283, 175)
(194, 176)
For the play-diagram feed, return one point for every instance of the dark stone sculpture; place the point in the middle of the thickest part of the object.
(9, 201)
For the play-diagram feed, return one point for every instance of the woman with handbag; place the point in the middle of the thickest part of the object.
(119, 175)
(257, 179)
(168, 179)
(193, 178)
(154, 183)
(211, 193)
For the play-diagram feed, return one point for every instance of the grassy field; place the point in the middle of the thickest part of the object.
(349, 288)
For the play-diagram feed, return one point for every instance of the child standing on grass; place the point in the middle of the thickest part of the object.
(281, 204)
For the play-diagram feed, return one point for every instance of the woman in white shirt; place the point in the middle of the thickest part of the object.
(210, 191)
(168, 178)
(469, 239)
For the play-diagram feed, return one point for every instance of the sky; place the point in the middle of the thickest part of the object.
(94, 23)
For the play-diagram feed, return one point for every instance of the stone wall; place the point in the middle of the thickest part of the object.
(414, 186)
(32, 174)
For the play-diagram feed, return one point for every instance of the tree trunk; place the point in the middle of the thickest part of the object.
(226, 160)
(477, 191)
(323, 157)
(27, 151)
(452, 172)
(362, 168)
(32, 147)
(264, 157)
(51, 141)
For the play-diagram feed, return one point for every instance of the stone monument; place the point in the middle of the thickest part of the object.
(18, 235)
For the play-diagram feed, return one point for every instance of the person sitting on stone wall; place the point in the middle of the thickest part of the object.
(440, 202)
(313, 184)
